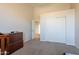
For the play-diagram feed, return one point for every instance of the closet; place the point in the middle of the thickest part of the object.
(58, 27)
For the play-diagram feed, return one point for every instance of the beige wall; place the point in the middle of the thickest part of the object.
(77, 24)
(38, 10)
(16, 17)
(45, 8)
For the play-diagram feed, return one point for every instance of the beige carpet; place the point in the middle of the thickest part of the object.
(36, 47)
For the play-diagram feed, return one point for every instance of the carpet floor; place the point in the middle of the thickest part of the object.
(36, 47)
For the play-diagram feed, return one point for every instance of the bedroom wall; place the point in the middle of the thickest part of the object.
(51, 7)
(50, 26)
(40, 9)
(16, 17)
(76, 6)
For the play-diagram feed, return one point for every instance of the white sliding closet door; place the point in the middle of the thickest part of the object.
(58, 27)
(55, 29)
(42, 29)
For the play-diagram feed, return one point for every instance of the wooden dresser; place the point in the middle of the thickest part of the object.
(12, 42)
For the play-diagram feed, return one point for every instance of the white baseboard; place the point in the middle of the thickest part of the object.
(26, 40)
